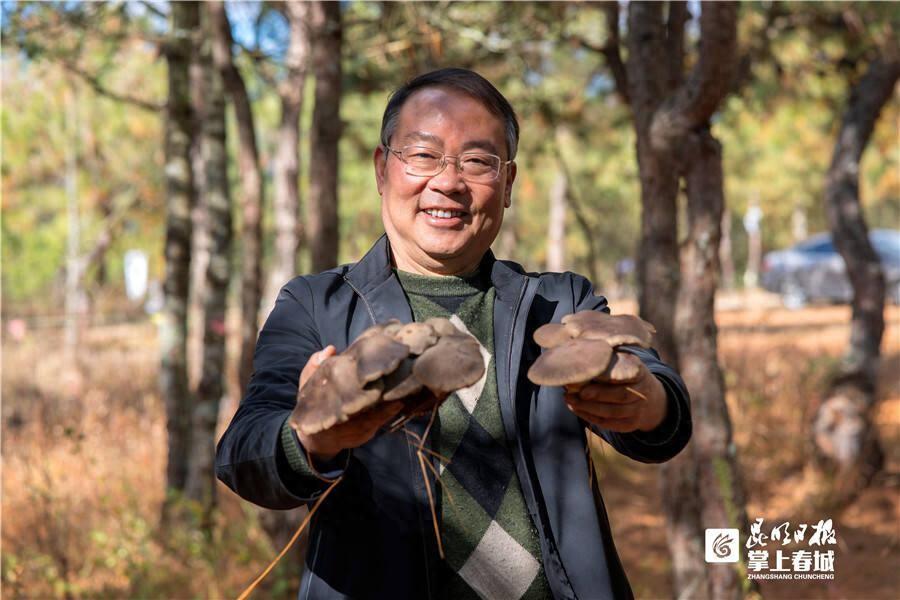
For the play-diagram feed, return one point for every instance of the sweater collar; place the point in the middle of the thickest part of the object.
(375, 268)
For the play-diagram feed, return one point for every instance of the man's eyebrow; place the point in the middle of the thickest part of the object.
(481, 145)
(422, 136)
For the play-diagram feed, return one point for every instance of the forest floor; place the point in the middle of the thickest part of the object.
(84, 466)
(775, 363)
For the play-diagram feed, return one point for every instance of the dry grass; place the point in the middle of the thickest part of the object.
(83, 482)
(84, 464)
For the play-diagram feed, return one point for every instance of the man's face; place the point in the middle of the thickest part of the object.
(422, 241)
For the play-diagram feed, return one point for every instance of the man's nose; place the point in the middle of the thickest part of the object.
(449, 180)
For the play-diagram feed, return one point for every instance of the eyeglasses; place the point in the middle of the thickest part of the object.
(476, 167)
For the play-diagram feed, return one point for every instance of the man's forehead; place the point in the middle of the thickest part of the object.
(434, 103)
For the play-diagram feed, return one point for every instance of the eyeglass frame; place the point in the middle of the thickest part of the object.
(445, 162)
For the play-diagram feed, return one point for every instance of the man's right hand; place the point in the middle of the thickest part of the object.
(355, 432)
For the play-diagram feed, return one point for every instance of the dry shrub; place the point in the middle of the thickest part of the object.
(84, 477)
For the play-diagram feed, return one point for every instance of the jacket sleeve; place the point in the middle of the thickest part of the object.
(673, 434)
(251, 456)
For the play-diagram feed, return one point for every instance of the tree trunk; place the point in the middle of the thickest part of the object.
(845, 438)
(322, 230)
(179, 131)
(702, 487)
(251, 190)
(201, 478)
(657, 261)
(717, 474)
(76, 300)
(280, 524)
(286, 166)
(556, 224)
(726, 252)
(200, 66)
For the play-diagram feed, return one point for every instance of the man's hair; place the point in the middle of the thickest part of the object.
(463, 80)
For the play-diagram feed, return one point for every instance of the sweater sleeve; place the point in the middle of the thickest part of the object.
(670, 436)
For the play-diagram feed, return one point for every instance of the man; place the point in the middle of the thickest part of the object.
(519, 514)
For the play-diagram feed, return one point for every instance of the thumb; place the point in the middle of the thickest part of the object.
(316, 359)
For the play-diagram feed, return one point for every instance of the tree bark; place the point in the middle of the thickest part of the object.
(286, 166)
(179, 131)
(717, 473)
(702, 486)
(322, 231)
(251, 190)
(201, 478)
(726, 253)
(556, 224)
(846, 441)
(657, 262)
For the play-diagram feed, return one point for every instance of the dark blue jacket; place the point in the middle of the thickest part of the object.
(373, 536)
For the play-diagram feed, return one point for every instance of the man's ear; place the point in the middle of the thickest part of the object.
(510, 178)
(379, 161)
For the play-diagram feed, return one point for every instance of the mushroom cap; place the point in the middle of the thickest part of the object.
(387, 327)
(552, 335)
(573, 362)
(442, 326)
(616, 330)
(418, 336)
(623, 368)
(376, 354)
(332, 395)
(401, 383)
(454, 362)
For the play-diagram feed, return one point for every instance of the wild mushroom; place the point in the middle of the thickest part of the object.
(617, 331)
(401, 383)
(376, 354)
(552, 335)
(332, 395)
(418, 336)
(623, 368)
(595, 324)
(453, 363)
(573, 362)
(442, 326)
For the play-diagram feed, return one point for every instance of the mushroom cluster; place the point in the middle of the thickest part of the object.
(419, 364)
(583, 348)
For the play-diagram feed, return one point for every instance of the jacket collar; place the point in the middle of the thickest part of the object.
(374, 269)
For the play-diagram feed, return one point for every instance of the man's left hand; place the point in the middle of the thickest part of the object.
(613, 406)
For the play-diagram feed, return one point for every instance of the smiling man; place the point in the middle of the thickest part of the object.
(519, 514)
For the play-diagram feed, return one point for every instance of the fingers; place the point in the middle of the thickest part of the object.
(603, 410)
(606, 392)
(606, 405)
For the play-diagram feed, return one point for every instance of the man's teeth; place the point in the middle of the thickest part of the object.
(444, 214)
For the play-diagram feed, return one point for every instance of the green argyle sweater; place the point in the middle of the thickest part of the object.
(491, 545)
